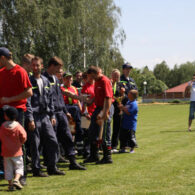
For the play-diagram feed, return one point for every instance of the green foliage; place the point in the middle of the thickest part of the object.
(161, 72)
(73, 30)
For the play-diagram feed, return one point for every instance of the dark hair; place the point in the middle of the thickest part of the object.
(93, 69)
(37, 58)
(84, 75)
(27, 58)
(56, 61)
(134, 93)
(78, 72)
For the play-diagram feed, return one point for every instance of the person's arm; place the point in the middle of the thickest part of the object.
(25, 94)
(22, 134)
(188, 88)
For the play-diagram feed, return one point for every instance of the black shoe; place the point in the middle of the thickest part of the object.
(63, 160)
(91, 159)
(40, 174)
(42, 166)
(23, 180)
(76, 166)
(105, 161)
(56, 172)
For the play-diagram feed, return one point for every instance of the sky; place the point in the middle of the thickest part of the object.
(157, 30)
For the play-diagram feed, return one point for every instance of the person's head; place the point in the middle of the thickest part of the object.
(37, 66)
(115, 75)
(67, 79)
(126, 69)
(94, 72)
(5, 56)
(26, 62)
(54, 65)
(84, 76)
(133, 94)
(78, 76)
(10, 113)
(59, 74)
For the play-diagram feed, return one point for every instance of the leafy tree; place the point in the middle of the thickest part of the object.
(80, 32)
(161, 71)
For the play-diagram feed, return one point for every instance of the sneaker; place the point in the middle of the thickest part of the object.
(43, 166)
(132, 151)
(76, 166)
(17, 184)
(40, 174)
(122, 151)
(56, 172)
(114, 151)
(11, 188)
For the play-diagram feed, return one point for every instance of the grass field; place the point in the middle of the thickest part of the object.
(164, 163)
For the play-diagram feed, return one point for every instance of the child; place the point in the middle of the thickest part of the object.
(129, 122)
(12, 136)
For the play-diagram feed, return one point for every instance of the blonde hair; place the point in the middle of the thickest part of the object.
(116, 71)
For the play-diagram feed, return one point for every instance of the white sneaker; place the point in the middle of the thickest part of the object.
(114, 151)
(132, 151)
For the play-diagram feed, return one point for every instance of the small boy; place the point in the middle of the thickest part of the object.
(12, 136)
(129, 122)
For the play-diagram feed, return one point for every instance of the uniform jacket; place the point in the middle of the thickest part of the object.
(58, 99)
(40, 103)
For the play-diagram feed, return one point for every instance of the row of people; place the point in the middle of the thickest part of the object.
(47, 103)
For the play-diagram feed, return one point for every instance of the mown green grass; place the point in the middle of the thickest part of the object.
(164, 163)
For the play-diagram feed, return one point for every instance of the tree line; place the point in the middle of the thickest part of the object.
(162, 77)
(81, 32)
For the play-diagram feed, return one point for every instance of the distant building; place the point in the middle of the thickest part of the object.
(169, 95)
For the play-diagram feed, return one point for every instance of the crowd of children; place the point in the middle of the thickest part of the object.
(60, 118)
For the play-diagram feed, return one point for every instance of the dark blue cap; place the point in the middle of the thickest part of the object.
(11, 112)
(5, 52)
(127, 65)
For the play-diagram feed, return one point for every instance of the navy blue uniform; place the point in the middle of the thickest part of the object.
(40, 108)
(128, 84)
(62, 128)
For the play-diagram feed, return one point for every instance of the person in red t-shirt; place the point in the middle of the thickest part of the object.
(74, 108)
(100, 130)
(15, 87)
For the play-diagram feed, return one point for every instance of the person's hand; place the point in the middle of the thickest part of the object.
(53, 121)
(31, 125)
(100, 121)
(88, 116)
(122, 91)
(68, 115)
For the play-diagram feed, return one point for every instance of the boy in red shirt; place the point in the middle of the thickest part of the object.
(12, 136)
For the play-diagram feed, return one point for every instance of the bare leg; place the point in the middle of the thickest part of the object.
(17, 176)
(189, 125)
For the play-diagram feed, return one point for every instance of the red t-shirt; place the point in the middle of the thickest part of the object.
(103, 89)
(69, 100)
(12, 83)
(89, 89)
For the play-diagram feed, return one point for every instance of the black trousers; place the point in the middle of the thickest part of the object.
(44, 136)
(127, 138)
(63, 133)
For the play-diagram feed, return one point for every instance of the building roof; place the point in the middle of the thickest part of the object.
(179, 88)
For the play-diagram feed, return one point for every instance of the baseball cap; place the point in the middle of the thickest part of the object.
(66, 74)
(5, 52)
(127, 65)
(11, 112)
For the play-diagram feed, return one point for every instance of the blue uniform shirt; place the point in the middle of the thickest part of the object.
(130, 121)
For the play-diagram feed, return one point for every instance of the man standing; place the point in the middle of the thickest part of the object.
(15, 88)
(190, 89)
(62, 129)
(100, 130)
(127, 81)
(40, 114)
